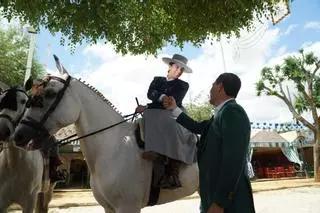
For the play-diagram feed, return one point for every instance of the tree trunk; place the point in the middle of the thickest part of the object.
(304, 168)
(316, 157)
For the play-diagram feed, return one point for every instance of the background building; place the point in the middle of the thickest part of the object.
(74, 165)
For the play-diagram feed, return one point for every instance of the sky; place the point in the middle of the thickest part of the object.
(122, 78)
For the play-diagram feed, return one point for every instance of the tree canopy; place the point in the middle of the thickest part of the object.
(13, 60)
(200, 110)
(140, 26)
(303, 72)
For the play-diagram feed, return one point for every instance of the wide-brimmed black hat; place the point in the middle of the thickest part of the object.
(180, 60)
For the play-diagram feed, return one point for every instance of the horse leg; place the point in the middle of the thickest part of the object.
(42, 204)
(4, 204)
(128, 209)
(100, 199)
(3, 209)
(29, 204)
(107, 209)
(48, 197)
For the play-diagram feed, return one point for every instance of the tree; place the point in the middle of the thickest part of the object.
(303, 72)
(199, 110)
(140, 26)
(13, 60)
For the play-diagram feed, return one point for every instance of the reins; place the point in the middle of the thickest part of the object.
(68, 139)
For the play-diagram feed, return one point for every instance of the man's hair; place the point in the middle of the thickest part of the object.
(231, 83)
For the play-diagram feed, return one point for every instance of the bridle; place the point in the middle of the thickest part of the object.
(39, 126)
(13, 122)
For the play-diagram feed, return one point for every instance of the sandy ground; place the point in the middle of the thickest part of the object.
(293, 200)
(80, 197)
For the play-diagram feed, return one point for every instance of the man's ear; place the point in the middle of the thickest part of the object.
(220, 86)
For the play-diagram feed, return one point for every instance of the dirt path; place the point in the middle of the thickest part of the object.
(83, 197)
(293, 200)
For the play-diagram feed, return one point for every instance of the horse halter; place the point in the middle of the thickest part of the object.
(38, 126)
(11, 120)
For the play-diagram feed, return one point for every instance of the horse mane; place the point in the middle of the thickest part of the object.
(93, 89)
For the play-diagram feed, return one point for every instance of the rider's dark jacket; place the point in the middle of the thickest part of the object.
(161, 86)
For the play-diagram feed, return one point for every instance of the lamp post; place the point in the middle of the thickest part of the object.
(223, 59)
(30, 54)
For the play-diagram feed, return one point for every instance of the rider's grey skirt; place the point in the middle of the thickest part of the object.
(165, 136)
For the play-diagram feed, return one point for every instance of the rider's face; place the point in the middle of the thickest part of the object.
(174, 71)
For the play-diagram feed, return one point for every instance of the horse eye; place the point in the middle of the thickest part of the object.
(49, 94)
(23, 101)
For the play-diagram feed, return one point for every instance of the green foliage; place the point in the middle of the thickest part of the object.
(302, 105)
(140, 26)
(13, 60)
(200, 110)
(302, 71)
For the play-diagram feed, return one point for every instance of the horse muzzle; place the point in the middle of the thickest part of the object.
(23, 134)
(5, 133)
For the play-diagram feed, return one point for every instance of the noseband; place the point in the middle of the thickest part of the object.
(39, 126)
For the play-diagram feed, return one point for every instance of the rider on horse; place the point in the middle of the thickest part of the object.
(163, 136)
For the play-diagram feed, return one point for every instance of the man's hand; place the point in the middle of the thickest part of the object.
(169, 103)
(140, 109)
(215, 209)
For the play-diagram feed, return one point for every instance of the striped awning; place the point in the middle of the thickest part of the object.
(269, 139)
(271, 144)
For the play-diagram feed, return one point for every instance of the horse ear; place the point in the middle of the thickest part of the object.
(60, 67)
(29, 83)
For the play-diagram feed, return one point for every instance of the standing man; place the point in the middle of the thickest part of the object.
(222, 149)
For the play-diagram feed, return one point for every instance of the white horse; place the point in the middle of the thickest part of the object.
(20, 170)
(120, 178)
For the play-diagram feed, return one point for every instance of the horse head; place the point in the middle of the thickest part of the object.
(13, 103)
(52, 107)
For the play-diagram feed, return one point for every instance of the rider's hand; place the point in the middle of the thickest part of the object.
(169, 103)
(140, 109)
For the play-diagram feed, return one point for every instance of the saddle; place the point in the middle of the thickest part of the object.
(139, 132)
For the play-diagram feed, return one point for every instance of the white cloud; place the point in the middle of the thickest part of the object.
(290, 29)
(52, 72)
(104, 51)
(306, 44)
(281, 51)
(122, 78)
(312, 25)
